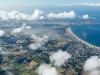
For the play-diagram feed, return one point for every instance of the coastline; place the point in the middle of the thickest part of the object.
(92, 46)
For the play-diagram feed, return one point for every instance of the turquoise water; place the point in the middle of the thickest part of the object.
(88, 33)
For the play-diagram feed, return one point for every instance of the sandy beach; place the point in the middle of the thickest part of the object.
(92, 46)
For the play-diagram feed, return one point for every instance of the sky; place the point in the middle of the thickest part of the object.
(43, 2)
(8, 4)
(28, 6)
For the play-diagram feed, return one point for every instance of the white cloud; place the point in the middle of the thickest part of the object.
(29, 67)
(92, 65)
(34, 46)
(8, 70)
(28, 27)
(38, 14)
(79, 4)
(41, 18)
(2, 33)
(59, 58)
(28, 5)
(18, 30)
(4, 52)
(91, 4)
(86, 16)
(95, 72)
(9, 73)
(70, 14)
(39, 41)
(45, 69)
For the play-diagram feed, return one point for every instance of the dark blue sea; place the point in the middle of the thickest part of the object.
(88, 33)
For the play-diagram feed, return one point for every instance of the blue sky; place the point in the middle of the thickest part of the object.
(19, 4)
(28, 6)
(43, 2)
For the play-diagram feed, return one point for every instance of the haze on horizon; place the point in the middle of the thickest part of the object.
(13, 4)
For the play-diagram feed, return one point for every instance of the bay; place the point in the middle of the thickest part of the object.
(88, 33)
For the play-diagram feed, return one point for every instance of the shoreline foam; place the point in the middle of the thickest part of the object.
(92, 46)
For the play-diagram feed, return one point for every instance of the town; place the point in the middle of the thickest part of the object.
(17, 58)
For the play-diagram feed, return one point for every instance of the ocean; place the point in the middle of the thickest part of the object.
(88, 33)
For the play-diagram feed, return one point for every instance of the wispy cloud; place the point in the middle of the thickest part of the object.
(8, 70)
(79, 4)
(9, 73)
(39, 41)
(29, 67)
(27, 5)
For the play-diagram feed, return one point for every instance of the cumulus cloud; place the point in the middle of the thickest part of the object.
(28, 27)
(59, 58)
(79, 4)
(70, 14)
(92, 65)
(18, 30)
(41, 17)
(45, 69)
(95, 72)
(34, 46)
(38, 14)
(86, 16)
(39, 41)
(2, 33)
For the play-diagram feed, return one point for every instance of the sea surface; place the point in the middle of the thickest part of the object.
(88, 33)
